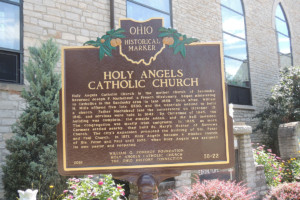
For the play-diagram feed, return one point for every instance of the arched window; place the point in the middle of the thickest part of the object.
(144, 9)
(283, 38)
(235, 52)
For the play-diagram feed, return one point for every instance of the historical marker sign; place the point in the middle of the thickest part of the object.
(147, 106)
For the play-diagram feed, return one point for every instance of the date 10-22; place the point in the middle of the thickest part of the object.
(211, 156)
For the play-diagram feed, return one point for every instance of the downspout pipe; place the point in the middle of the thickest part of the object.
(112, 14)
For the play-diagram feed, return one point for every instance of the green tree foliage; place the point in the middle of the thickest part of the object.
(32, 161)
(283, 106)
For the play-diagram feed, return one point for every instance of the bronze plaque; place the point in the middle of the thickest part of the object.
(143, 107)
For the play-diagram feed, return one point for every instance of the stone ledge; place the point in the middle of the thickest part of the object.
(11, 87)
(243, 107)
(291, 125)
(241, 129)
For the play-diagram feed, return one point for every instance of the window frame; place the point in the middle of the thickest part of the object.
(230, 87)
(20, 52)
(152, 8)
(278, 32)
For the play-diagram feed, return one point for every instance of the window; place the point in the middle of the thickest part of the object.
(235, 52)
(144, 9)
(10, 41)
(283, 38)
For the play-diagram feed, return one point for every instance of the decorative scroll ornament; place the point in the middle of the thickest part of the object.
(107, 42)
(175, 40)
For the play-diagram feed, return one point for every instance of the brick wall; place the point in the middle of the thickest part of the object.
(11, 106)
(71, 23)
(201, 20)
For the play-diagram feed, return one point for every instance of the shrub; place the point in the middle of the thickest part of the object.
(286, 191)
(282, 107)
(272, 167)
(291, 170)
(88, 189)
(214, 190)
(32, 161)
(276, 170)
